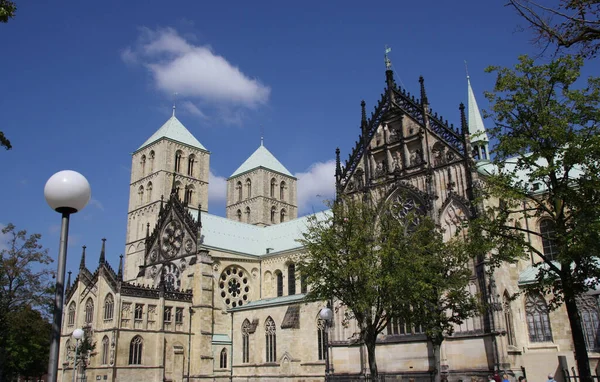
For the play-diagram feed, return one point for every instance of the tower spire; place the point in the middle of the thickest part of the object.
(103, 252)
(389, 74)
(120, 271)
(69, 280)
(82, 262)
(477, 132)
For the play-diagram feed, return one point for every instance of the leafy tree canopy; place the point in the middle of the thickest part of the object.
(7, 10)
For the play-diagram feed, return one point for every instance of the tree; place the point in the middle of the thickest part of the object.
(4, 142)
(375, 260)
(7, 10)
(24, 283)
(548, 170)
(570, 23)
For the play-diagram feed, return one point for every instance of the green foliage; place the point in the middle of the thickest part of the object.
(382, 264)
(7, 11)
(4, 142)
(24, 297)
(546, 126)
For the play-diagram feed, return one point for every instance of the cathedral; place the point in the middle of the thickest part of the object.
(199, 297)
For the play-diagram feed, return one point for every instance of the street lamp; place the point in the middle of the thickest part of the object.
(66, 192)
(326, 315)
(77, 334)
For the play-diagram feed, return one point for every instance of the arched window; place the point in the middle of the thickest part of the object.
(303, 284)
(282, 191)
(239, 190)
(321, 344)
(89, 311)
(143, 165)
(191, 160)
(291, 279)
(273, 184)
(247, 214)
(508, 319)
(109, 306)
(246, 341)
(135, 350)
(189, 192)
(178, 189)
(68, 350)
(141, 194)
(239, 215)
(223, 359)
(282, 215)
(279, 277)
(149, 192)
(151, 160)
(178, 155)
(71, 320)
(248, 188)
(548, 233)
(105, 347)
(271, 340)
(538, 321)
(588, 310)
(273, 213)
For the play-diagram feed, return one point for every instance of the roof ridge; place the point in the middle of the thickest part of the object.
(175, 130)
(261, 157)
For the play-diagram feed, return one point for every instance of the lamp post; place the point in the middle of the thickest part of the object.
(326, 315)
(77, 334)
(66, 192)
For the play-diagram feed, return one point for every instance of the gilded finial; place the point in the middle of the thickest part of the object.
(388, 62)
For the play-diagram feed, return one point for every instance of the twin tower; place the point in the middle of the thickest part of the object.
(260, 192)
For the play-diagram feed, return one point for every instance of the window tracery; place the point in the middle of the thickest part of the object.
(271, 340)
(538, 320)
(89, 311)
(109, 306)
(71, 319)
(135, 350)
(246, 341)
(234, 284)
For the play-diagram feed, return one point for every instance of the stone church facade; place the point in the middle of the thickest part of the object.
(202, 297)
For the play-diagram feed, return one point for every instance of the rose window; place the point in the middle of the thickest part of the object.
(172, 239)
(235, 286)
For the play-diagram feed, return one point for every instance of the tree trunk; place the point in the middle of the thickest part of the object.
(437, 357)
(581, 355)
(370, 342)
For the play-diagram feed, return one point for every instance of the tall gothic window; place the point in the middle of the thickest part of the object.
(321, 344)
(149, 192)
(282, 215)
(246, 341)
(239, 190)
(508, 319)
(105, 350)
(141, 194)
(273, 185)
(538, 321)
(291, 279)
(248, 189)
(282, 191)
(271, 340)
(109, 307)
(151, 160)
(239, 215)
(71, 320)
(247, 214)
(89, 311)
(279, 277)
(588, 310)
(178, 156)
(273, 213)
(143, 165)
(548, 234)
(223, 359)
(135, 350)
(189, 191)
(191, 161)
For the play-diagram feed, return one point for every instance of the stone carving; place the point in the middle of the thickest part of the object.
(182, 265)
(235, 286)
(438, 156)
(189, 245)
(415, 157)
(172, 238)
(154, 255)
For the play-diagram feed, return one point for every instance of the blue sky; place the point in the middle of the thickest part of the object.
(84, 84)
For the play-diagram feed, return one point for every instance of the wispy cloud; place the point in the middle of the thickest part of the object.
(177, 65)
(217, 188)
(193, 109)
(96, 203)
(315, 185)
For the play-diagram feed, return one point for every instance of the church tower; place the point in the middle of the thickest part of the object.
(262, 191)
(172, 158)
(479, 138)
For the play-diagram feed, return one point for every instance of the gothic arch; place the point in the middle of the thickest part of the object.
(453, 215)
(409, 194)
(268, 283)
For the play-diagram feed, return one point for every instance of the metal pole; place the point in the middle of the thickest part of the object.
(326, 350)
(58, 299)
(75, 363)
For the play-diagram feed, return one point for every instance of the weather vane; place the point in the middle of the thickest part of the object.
(174, 102)
(467, 69)
(388, 62)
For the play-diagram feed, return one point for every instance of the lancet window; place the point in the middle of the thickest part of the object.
(135, 350)
(109, 307)
(271, 340)
(538, 320)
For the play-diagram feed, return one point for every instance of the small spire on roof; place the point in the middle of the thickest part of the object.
(102, 259)
(174, 107)
(262, 135)
(388, 62)
(120, 272)
(82, 262)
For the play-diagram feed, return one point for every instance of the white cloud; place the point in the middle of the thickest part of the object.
(217, 188)
(96, 203)
(315, 186)
(193, 109)
(194, 71)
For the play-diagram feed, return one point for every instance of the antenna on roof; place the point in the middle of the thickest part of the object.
(467, 69)
(174, 102)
